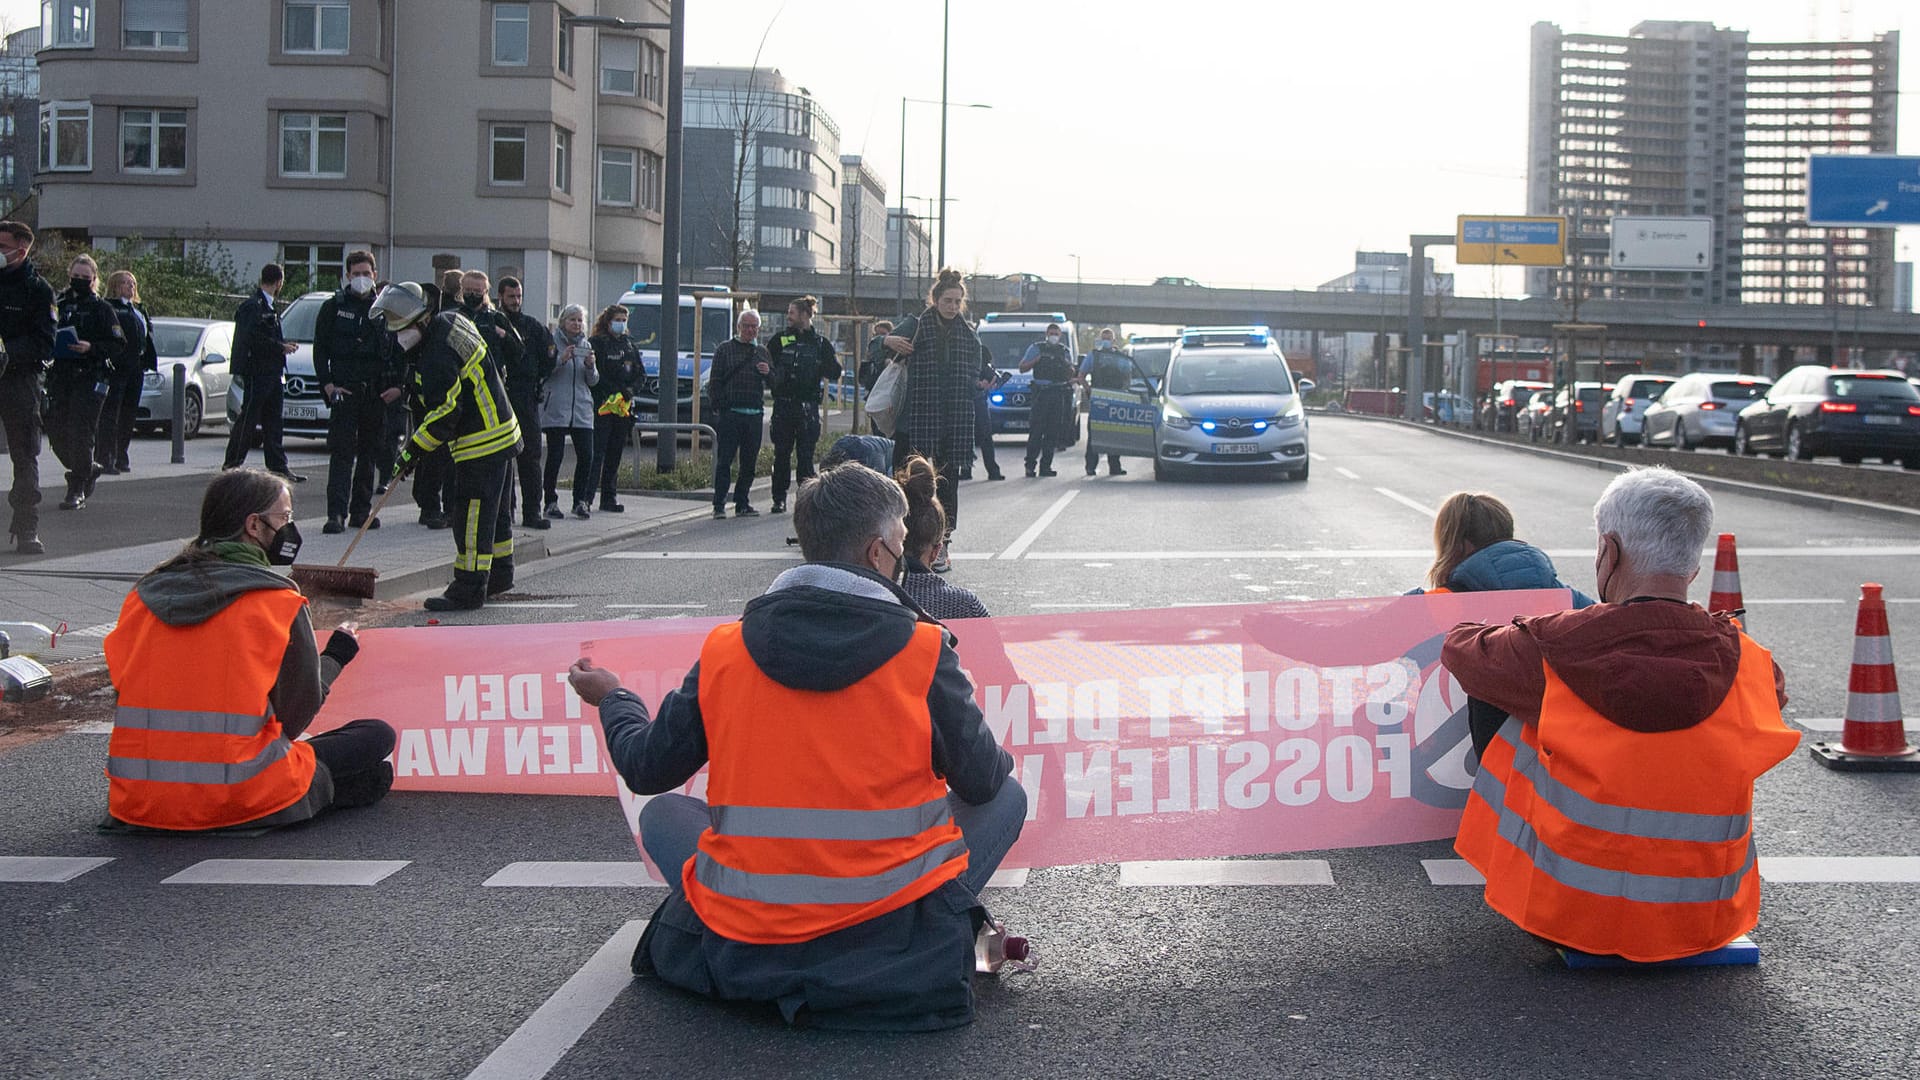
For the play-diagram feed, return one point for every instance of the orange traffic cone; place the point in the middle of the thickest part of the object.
(1726, 579)
(1874, 738)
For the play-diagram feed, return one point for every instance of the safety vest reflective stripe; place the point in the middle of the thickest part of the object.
(1624, 820)
(1600, 881)
(241, 725)
(815, 889)
(497, 432)
(197, 772)
(799, 823)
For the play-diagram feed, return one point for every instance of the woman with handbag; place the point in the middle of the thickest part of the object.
(942, 358)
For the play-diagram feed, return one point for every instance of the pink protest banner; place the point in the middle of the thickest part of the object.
(1180, 732)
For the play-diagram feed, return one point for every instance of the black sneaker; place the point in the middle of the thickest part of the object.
(1116, 472)
(534, 521)
(745, 511)
(1048, 472)
(291, 477)
(333, 525)
(580, 511)
(554, 511)
(435, 521)
(719, 513)
(608, 506)
(779, 506)
(356, 522)
(995, 476)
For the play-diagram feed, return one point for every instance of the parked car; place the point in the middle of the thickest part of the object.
(1179, 282)
(1531, 419)
(1626, 407)
(1576, 413)
(1815, 410)
(1508, 396)
(203, 345)
(1230, 401)
(1701, 409)
(304, 410)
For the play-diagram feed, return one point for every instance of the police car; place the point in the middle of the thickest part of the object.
(643, 326)
(1007, 334)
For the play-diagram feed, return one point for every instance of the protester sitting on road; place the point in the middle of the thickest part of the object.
(1613, 808)
(873, 451)
(218, 674)
(831, 694)
(926, 525)
(1474, 551)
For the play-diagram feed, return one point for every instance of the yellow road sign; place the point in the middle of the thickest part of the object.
(1510, 241)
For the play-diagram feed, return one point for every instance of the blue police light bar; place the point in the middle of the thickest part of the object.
(1225, 335)
(1025, 316)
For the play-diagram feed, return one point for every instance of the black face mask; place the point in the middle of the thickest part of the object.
(472, 301)
(899, 563)
(285, 545)
(81, 285)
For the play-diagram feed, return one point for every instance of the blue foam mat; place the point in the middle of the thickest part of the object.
(1740, 952)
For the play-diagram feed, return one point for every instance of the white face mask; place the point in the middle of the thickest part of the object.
(408, 338)
(360, 284)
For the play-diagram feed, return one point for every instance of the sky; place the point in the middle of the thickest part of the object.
(1238, 143)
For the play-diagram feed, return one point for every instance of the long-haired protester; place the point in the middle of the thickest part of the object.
(926, 528)
(217, 674)
(1474, 551)
(944, 358)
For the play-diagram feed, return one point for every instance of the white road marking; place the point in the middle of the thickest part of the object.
(539, 1043)
(1019, 547)
(1227, 872)
(1086, 605)
(49, 869)
(1901, 869)
(709, 556)
(1758, 603)
(1824, 725)
(969, 556)
(1408, 503)
(1426, 554)
(1452, 872)
(99, 631)
(656, 607)
(1348, 473)
(93, 727)
(1316, 456)
(287, 872)
(529, 604)
(631, 874)
(1007, 879)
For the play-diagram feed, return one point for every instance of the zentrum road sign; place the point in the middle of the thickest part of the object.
(1661, 243)
(1510, 241)
(1863, 190)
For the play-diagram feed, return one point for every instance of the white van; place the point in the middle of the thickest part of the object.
(1007, 334)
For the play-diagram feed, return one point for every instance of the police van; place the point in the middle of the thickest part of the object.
(643, 326)
(1007, 334)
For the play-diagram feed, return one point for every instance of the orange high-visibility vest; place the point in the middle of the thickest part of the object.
(1628, 843)
(195, 743)
(825, 809)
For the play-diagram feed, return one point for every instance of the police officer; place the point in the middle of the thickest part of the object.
(259, 364)
(802, 360)
(524, 376)
(1106, 368)
(353, 357)
(1050, 399)
(26, 328)
(475, 423)
(77, 383)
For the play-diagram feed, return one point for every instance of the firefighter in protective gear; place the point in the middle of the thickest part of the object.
(469, 414)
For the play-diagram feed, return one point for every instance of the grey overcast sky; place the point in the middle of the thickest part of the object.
(1230, 141)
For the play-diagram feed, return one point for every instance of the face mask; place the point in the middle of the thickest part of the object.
(81, 284)
(13, 258)
(408, 338)
(285, 545)
(617, 326)
(472, 300)
(1106, 344)
(899, 563)
(360, 284)
(1053, 339)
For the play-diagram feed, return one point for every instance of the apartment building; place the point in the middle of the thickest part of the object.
(762, 173)
(475, 133)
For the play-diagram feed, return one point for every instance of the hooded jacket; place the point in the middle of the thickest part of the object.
(1506, 565)
(822, 627)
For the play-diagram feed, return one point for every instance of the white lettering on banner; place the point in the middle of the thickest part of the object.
(1184, 778)
(523, 751)
(573, 699)
(489, 698)
(459, 751)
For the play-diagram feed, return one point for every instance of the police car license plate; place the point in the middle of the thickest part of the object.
(1889, 420)
(1014, 425)
(1236, 448)
(301, 412)
(643, 417)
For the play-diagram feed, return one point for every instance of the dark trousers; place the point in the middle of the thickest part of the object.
(20, 402)
(398, 427)
(116, 419)
(737, 435)
(1048, 422)
(610, 437)
(354, 431)
(948, 487)
(433, 483)
(526, 465)
(482, 523)
(355, 756)
(73, 423)
(260, 409)
(983, 433)
(795, 428)
(1093, 459)
(582, 462)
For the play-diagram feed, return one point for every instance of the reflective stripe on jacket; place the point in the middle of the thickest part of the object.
(825, 810)
(474, 416)
(1637, 844)
(195, 743)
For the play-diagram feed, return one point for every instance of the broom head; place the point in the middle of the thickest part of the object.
(355, 581)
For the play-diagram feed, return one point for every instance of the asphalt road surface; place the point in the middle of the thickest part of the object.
(429, 971)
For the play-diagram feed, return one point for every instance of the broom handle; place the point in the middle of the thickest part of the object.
(392, 486)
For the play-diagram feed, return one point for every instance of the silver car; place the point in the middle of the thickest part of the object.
(203, 346)
(1702, 409)
(1624, 413)
(1230, 402)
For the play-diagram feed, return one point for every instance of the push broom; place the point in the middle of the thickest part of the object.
(341, 579)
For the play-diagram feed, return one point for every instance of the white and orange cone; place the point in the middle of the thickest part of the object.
(1874, 737)
(1726, 580)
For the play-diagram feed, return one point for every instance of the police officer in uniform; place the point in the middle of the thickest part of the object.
(1106, 368)
(1050, 400)
(26, 328)
(77, 383)
(802, 360)
(474, 422)
(353, 358)
(524, 376)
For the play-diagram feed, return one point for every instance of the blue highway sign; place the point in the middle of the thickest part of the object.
(1874, 190)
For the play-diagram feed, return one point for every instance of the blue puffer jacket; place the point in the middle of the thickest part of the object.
(1509, 564)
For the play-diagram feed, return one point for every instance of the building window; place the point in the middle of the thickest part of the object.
(313, 145)
(154, 24)
(66, 136)
(653, 72)
(508, 152)
(315, 28)
(619, 66)
(652, 174)
(563, 160)
(616, 176)
(510, 32)
(66, 24)
(313, 267)
(563, 55)
(153, 141)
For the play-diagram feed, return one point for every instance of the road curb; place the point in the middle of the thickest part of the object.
(1808, 499)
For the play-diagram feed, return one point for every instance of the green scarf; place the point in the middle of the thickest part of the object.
(239, 551)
